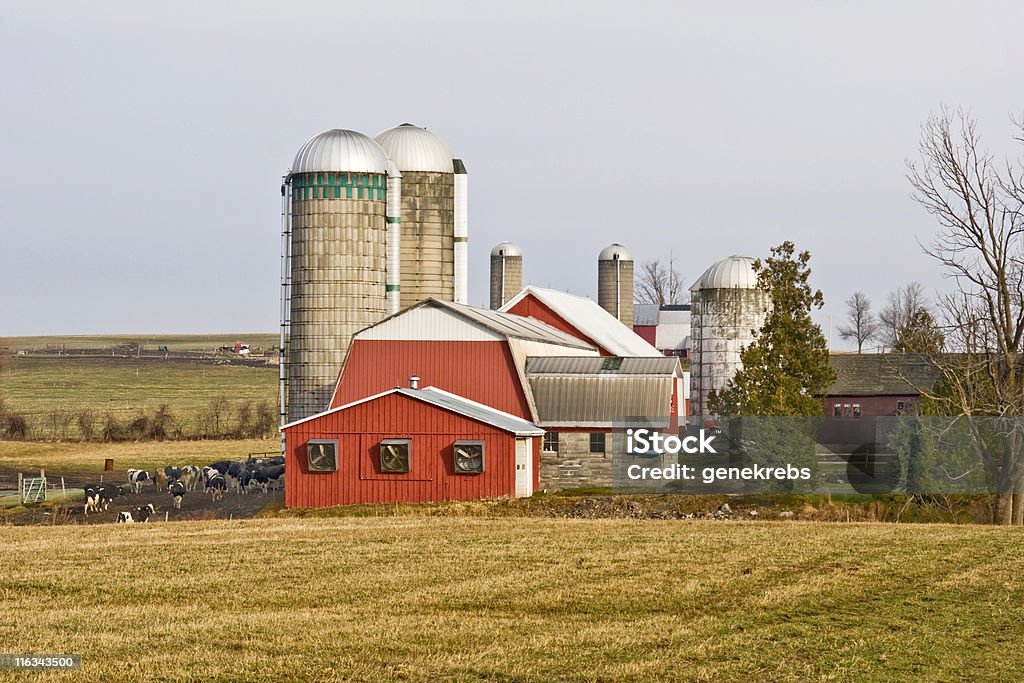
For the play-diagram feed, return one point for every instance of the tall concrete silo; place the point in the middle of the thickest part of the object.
(726, 309)
(615, 282)
(506, 273)
(334, 261)
(434, 214)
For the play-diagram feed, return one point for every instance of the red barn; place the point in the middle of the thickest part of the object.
(472, 352)
(582, 318)
(409, 445)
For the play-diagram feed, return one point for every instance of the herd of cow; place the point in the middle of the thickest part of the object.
(240, 476)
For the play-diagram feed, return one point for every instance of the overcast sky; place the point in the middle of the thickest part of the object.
(142, 144)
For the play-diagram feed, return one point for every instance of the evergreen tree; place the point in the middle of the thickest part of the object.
(786, 369)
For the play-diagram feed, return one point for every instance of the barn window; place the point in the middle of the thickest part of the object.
(395, 455)
(322, 455)
(900, 407)
(469, 457)
(856, 410)
(550, 442)
(597, 442)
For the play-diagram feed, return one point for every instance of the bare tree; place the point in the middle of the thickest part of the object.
(900, 309)
(979, 204)
(863, 325)
(660, 283)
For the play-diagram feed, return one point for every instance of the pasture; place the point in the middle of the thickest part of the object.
(52, 391)
(450, 599)
(173, 342)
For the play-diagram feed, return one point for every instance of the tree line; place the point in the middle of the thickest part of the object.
(220, 418)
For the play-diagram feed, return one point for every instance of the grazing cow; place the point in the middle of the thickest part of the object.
(107, 493)
(92, 499)
(244, 479)
(177, 493)
(267, 476)
(143, 513)
(218, 485)
(136, 478)
(189, 476)
(124, 518)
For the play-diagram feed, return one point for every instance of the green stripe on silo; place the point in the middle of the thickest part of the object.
(393, 219)
(462, 238)
(393, 288)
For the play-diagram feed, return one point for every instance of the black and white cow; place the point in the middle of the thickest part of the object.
(92, 499)
(124, 518)
(217, 485)
(107, 493)
(164, 476)
(143, 513)
(268, 476)
(177, 493)
(136, 478)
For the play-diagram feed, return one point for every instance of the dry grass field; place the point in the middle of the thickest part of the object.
(439, 599)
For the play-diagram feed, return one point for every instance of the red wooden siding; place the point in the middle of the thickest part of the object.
(482, 371)
(649, 333)
(432, 477)
(530, 307)
(872, 406)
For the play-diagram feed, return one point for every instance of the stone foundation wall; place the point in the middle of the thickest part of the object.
(574, 466)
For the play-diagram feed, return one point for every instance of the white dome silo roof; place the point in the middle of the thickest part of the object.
(416, 149)
(615, 252)
(340, 150)
(506, 249)
(734, 272)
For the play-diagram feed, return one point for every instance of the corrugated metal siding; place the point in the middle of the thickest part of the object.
(590, 400)
(433, 431)
(481, 371)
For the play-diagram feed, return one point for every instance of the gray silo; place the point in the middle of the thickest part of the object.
(726, 309)
(334, 261)
(433, 223)
(506, 273)
(615, 282)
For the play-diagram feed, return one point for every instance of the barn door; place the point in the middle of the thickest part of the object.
(524, 468)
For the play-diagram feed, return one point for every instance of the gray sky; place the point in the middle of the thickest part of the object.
(142, 144)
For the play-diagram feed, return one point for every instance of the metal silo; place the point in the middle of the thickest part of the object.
(506, 273)
(615, 283)
(726, 309)
(434, 214)
(334, 261)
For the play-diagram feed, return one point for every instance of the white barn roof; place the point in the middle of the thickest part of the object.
(591, 320)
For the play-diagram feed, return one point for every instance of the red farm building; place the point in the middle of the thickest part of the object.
(409, 445)
(489, 376)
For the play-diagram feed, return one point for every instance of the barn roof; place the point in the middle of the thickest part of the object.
(410, 323)
(600, 392)
(601, 365)
(446, 401)
(590, 319)
(881, 374)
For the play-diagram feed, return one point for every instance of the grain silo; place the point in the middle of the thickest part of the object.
(434, 207)
(334, 261)
(615, 282)
(506, 273)
(726, 310)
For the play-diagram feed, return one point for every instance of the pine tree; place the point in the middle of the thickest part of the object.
(786, 369)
